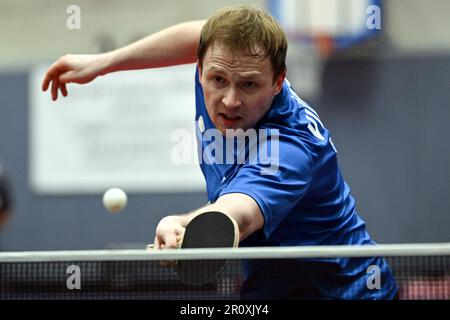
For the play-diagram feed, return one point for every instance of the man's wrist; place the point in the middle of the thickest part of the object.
(109, 62)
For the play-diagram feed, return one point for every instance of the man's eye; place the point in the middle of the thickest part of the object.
(219, 79)
(249, 84)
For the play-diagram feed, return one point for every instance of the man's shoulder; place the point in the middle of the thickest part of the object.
(294, 117)
(289, 111)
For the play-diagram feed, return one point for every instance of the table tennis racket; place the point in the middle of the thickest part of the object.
(211, 229)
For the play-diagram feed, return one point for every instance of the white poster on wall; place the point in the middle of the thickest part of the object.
(120, 130)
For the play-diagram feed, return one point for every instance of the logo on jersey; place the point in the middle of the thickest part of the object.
(251, 146)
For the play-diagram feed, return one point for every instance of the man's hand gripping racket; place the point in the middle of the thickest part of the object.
(211, 229)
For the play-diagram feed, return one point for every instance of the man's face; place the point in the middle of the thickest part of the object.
(238, 89)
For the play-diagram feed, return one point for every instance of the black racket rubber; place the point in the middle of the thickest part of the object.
(207, 230)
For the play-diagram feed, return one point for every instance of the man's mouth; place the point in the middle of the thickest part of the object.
(228, 119)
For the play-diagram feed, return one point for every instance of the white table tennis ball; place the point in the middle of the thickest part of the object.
(115, 199)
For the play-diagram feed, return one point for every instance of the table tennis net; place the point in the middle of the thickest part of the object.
(420, 271)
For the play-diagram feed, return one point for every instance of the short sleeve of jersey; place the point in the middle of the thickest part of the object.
(279, 191)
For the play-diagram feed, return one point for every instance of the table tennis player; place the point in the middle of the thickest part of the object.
(240, 84)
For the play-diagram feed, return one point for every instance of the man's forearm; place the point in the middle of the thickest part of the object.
(243, 209)
(172, 46)
(184, 218)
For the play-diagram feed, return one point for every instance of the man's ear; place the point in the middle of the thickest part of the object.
(279, 82)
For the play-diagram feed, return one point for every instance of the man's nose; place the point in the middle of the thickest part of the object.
(231, 99)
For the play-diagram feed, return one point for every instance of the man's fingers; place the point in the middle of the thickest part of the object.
(45, 82)
(53, 73)
(49, 75)
(55, 86)
(171, 242)
(179, 240)
(63, 89)
(156, 244)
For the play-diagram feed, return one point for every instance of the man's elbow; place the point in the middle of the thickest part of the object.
(244, 210)
(249, 224)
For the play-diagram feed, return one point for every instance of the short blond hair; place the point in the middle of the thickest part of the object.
(245, 28)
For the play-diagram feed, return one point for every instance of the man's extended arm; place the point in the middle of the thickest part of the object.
(242, 208)
(172, 46)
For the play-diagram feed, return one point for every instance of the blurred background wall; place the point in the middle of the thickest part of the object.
(386, 104)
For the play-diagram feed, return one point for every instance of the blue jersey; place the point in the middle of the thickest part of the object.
(304, 201)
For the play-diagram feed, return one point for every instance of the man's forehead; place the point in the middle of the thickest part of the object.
(219, 49)
(219, 58)
(251, 73)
